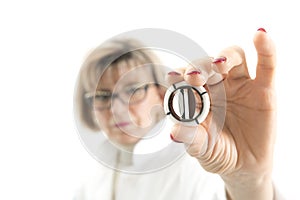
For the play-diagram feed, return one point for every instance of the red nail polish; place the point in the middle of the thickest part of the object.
(194, 73)
(219, 60)
(173, 73)
(262, 29)
(172, 138)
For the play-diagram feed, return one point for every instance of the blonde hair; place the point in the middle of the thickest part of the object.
(108, 55)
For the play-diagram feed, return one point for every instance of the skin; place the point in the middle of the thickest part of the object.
(125, 124)
(243, 153)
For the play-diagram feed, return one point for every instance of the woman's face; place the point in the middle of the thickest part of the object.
(127, 103)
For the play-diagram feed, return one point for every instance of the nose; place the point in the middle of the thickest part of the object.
(118, 106)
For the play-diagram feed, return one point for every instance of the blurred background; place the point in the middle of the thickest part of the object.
(43, 44)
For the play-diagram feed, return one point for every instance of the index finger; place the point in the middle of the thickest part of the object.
(206, 75)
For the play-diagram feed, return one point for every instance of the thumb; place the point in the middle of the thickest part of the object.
(266, 58)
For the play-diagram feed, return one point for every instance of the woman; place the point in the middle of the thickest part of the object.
(127, 77)
(120, 91)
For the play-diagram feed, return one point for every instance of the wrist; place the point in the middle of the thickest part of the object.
(249, 187)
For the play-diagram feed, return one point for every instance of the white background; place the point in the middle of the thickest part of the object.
(42, 46)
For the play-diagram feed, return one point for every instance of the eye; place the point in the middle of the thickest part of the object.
(134, 89)
(103, 96)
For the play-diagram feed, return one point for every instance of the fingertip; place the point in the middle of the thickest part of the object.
(174, 73)
(228, 59)
(219, 60)
(195, 77)
(173, 77)
(262, 29)
(173, 139)
(263, 42)
(266, 58)
(218, 65)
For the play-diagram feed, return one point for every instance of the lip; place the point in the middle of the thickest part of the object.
(122, 124)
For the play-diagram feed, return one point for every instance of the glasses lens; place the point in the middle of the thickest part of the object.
(102, 99)
(130, 95)
(137, 94)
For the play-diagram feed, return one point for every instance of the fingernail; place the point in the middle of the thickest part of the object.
(262, 29)
(172, 138)
(174, 73)
(194, 73)
(219, 60)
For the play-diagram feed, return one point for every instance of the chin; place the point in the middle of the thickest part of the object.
(125, 140)
(128, 140)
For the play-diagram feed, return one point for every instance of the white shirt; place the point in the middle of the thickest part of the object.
(185, 179)
(169, 174)
(158, 178)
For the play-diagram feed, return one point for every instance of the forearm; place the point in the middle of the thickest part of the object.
(258, 188)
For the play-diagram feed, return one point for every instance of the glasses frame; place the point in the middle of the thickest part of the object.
(90, 97)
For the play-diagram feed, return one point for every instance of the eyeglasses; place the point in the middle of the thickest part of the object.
(133, 94)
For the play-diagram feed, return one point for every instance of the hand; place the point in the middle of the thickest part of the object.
(243, 151)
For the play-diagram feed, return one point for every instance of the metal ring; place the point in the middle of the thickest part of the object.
(184, 94)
